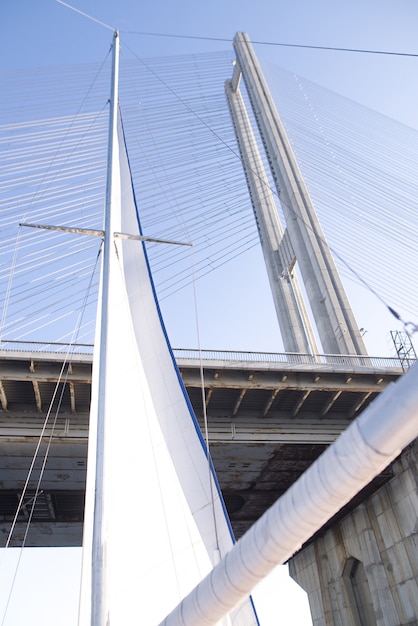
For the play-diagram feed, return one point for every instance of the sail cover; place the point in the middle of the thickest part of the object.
(164, 525)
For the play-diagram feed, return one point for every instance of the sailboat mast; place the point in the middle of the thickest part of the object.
(99, 591)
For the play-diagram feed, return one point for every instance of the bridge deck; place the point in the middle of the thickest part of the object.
(268, 421)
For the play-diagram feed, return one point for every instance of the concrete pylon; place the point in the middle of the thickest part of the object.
(297, 333)
(303, 238)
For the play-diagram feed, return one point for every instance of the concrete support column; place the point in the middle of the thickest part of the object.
(334, 319)
(296, 330)
(363, 571)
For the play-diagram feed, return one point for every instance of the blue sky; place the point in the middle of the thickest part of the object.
(45, 33)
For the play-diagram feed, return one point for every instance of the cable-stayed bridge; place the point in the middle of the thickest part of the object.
(271, 415)
(358, 165)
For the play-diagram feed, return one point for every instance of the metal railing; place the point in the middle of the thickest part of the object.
(235, 356)
(54, 347)
(292, 358)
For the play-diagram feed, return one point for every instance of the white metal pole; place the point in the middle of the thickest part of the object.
(370, 443)
(99, 593)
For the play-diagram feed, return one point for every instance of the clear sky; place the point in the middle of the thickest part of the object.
(45, 33)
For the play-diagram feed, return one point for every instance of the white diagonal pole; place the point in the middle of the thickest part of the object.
(369, 445)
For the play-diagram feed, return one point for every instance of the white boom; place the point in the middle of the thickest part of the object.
(370, 443)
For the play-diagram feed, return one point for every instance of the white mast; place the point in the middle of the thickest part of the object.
(99, 595)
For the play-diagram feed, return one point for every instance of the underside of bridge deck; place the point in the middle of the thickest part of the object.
(267, 424)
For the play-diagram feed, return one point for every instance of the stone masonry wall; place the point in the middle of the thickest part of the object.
(363, 571)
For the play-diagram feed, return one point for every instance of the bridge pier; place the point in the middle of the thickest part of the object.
(363, 569)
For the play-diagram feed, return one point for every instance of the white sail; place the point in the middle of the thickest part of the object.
(162, 519)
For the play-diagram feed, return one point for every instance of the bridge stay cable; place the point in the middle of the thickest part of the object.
(229, 250)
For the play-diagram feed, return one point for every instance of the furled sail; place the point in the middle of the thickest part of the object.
(155, 522)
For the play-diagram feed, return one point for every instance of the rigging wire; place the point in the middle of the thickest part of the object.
(93, 19)
(61, 381)
(211, 474)
(9, 284)
(274, 43)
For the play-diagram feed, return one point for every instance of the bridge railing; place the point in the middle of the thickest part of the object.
(235, 356)
(295, 358)
(12, 345)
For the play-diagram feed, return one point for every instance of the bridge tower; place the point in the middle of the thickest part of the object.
(362, 568)
(302, 241)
